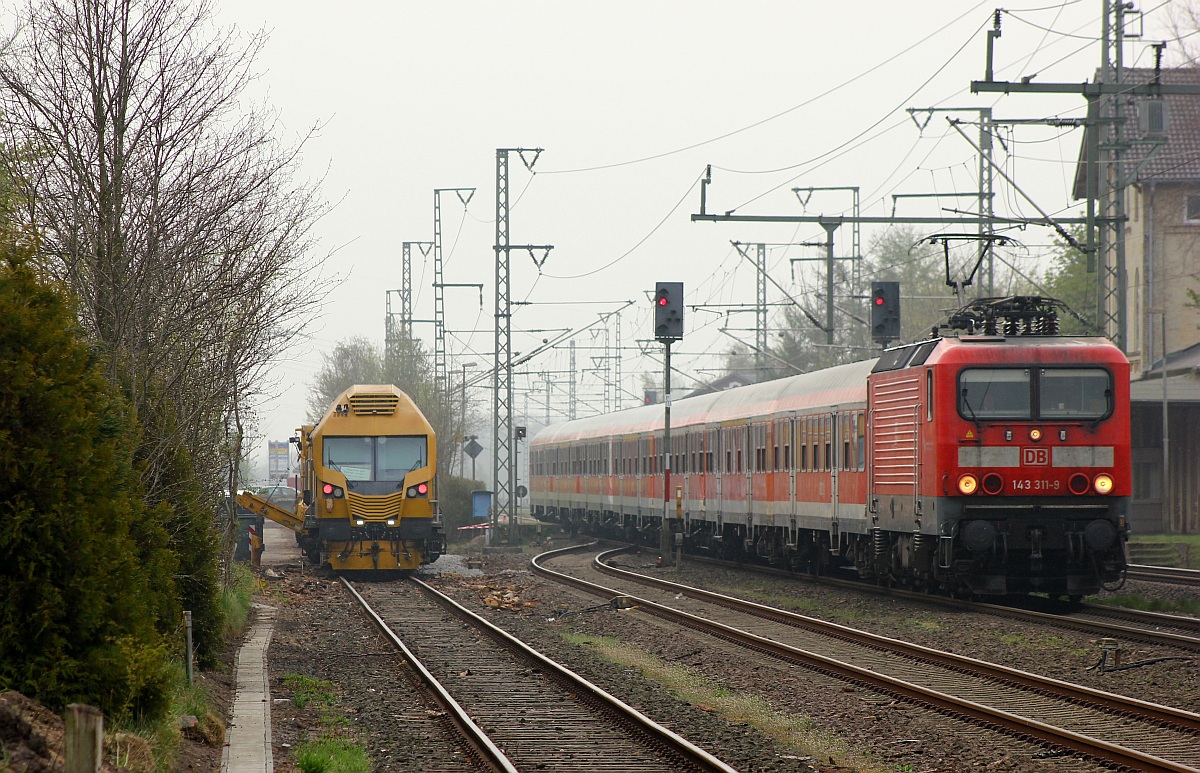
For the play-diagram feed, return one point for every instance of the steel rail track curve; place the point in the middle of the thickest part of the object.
(1164, 574)
(1026, 727)
(1149, 625)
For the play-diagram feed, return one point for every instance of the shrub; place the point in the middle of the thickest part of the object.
(80, 590)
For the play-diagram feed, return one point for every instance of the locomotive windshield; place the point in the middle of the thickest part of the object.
(384, 458)
(1014, 393)
(1074, 393)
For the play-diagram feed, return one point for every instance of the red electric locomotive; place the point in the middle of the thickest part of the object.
(992, 459)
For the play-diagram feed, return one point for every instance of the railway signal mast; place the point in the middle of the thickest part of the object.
(668, 328)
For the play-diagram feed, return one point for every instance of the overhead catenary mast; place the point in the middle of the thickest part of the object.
(503, 442)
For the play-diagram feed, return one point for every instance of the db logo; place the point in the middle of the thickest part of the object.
(1035, 457)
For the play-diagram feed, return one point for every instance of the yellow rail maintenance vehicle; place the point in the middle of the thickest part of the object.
(367, 474)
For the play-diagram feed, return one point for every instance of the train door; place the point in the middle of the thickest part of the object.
(708, 467)
(722, 469)
(745, 461)
(791, 461)
(833, 462)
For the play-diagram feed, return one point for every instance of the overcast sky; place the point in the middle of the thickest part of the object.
(630, 101)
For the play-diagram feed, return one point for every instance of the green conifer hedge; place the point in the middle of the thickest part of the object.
(86, 584)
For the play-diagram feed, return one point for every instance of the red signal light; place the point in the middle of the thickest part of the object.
(662, 301)
(878, 300)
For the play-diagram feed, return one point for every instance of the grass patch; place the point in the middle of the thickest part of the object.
(235, 600)
(923, 624)
(333, 750)
(1191, 541)
(795, 732)
(1165, 606)
(309, 689)
(766, 594)
(332, 755)
(144, 746)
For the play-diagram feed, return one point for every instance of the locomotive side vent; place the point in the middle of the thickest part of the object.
(374, 404)
(1016, 315)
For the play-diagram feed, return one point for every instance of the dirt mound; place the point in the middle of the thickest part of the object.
(32, 736)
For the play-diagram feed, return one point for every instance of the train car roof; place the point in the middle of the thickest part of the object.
(1092, 349)
(839, 385)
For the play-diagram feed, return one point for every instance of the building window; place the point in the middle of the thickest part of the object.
(1193, 209)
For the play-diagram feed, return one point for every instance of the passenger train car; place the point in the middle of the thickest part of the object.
(991, 459)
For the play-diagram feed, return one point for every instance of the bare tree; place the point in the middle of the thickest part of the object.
(165, 203)
(1183, 21)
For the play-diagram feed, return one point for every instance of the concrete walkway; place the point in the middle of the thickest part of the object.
(248, 739)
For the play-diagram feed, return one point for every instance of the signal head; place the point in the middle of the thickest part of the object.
(668, 311)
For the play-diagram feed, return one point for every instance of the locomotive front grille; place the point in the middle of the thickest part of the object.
(368, 507)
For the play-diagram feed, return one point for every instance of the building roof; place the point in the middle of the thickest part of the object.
(1182, 382)
(1177, 161)
(1180, 389)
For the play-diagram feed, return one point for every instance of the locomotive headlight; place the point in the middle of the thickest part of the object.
(330, 490)
(1103, 484)
(1035, 434)
(391, 521)
(967, 484)
(359, 522)
(1078, 484)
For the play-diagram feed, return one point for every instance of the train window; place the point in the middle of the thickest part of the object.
(922, 353)
(861, 441)
(995, 393)
(387, 458)
(893, 359)
(802, 443)
(1074, 393)
(828, 462)
(929, 395)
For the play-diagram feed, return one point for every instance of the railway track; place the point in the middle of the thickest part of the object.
(1095, 619)
(519, 710)
(1121, 732)
(1164, 574)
